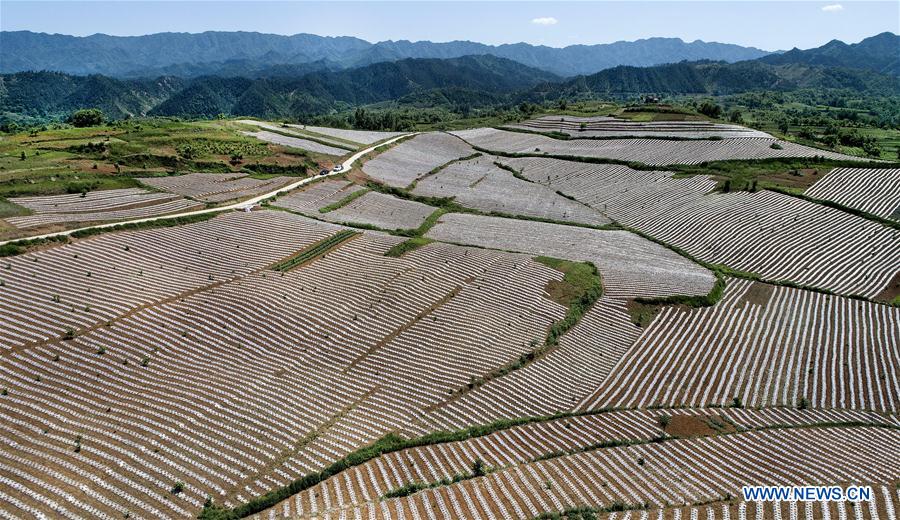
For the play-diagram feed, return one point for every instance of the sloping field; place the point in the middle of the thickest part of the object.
(357, 136)
(216, 187)
(619, 191)
(479, 184)
(296, 142)
(653, 152)
(382, 211)
(875, 191)
(317, 195)
(507, 448)
(87, 283)
(613, 127)
(197, 364)
(780, 237)
(655, 474)
(763, 346)
(297, 131)
(555, 383)
(630, 265)
(404, 163)
(97, 206)
(884, 504)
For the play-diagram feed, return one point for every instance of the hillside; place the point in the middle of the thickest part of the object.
(191, 55)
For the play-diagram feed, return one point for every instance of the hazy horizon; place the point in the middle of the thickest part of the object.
(769, 26)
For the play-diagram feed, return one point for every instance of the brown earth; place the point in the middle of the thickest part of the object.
(891, 292)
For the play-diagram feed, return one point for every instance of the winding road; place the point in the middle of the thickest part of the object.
(346, 165)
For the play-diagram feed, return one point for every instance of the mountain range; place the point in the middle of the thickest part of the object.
(227, 53)
(457, 83)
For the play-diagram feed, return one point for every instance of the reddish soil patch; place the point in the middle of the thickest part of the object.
(689, 426)
(758, 294)
(802, 178)
(891, 291)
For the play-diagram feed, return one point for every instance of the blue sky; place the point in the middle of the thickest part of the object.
(769, 25)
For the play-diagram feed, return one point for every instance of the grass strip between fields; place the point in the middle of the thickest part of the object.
(343, 202)
(316, 250)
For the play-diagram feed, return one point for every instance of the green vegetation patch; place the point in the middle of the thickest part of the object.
(579, 278)
(407, 245)
(316, 250)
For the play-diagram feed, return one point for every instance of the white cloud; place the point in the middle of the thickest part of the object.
(833, 8)
(545, 20)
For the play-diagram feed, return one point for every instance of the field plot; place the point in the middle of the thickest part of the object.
(479, 184)
(356, 136)
(763, 345)
(216, 187)
(300, 132)
(884, 504)
(506, 448)
(630, 265)
(614, 127)
(555, 383)
(317, 195)
(97, 206)
(401, 165)
(297, 142)
(876, 191)
(655, 474)
(197, 364)
(381, 211)
(780, 237)
(652, 152)
(46, 294)
(619, 191)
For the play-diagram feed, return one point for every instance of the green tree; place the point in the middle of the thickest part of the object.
(86, 117)
(736, 116)
(710, 109)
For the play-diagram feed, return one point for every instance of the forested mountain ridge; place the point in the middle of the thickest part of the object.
(879, 53)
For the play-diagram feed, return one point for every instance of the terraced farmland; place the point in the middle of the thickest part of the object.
(875, 191)
(402, 164)
(630, 265)
(763, 346)
(618, 191)
(104, 205)
(297, 142)
(644, 474)
(780, 237)
(391, 349)
(216, 187)
(479, 184)
(652, 152)
(586, 127)
(382, 211)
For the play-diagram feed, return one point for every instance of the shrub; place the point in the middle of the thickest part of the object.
(776, 146)
(178, 487)
(664, 421)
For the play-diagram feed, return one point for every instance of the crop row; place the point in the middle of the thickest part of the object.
(875, 191)
(296, 142)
